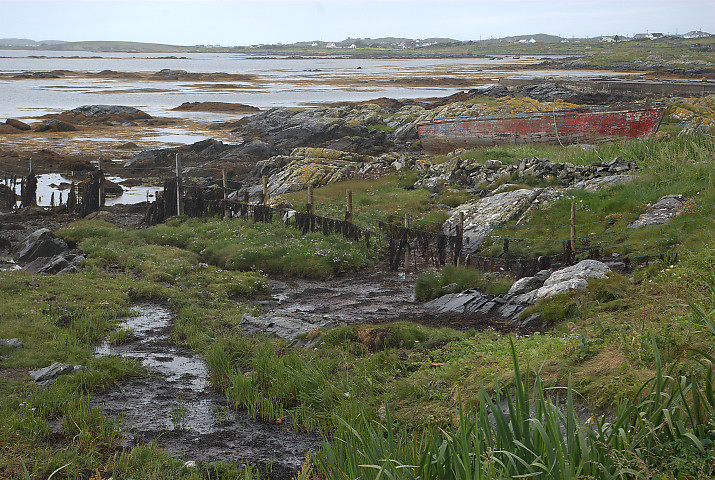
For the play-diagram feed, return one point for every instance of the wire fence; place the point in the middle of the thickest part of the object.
(403, 241)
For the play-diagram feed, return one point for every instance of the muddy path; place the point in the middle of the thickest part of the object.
(372, 296)
(177, 408)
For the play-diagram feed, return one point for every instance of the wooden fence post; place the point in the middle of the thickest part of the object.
(311, 207)
(101, 183)
(573, 230)
(225, 192)
(265, 190)
(460, 237)
(407, 243)
(178, 184)
(349, 216)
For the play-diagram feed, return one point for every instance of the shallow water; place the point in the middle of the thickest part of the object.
(177, 409)
(278, 81)
(60, 184)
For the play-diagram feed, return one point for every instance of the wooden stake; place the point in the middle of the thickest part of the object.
(265, 190)
(178, 184)
(225, 185)
(407, 244)
(311, 205)
(573, 230)
(101, 185)
(349, 216)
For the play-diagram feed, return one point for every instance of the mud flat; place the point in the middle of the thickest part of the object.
(177, 409)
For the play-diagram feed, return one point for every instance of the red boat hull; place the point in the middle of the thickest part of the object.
(564, 127)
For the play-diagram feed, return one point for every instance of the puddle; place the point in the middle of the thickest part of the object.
(56, 183)
(177, 409)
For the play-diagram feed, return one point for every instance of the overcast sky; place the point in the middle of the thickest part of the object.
(192, 22)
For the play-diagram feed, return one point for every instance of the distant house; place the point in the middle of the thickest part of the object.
(331, 45)
(531, 40)
(696, 34)
(352, 45)
(608, 39)
(647, 36)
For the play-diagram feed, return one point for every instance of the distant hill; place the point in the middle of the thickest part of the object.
(26, 42)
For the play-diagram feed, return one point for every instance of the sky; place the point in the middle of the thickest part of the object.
(227, 22)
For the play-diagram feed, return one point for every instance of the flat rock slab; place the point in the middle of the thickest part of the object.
(287, 326)
(48, 375)
(595, 184)
(661, 212)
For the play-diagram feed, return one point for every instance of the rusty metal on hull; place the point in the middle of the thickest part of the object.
(565, 127)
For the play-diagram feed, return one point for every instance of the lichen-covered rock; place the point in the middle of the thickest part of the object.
(575, 277)
(595, 184)
(482, 214)
(302, 172)
(661, 212)
(330, 154)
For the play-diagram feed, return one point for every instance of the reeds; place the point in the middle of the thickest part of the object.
(525, 433)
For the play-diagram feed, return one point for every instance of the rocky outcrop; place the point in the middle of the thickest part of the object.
(288, 327)
(102, 114)
(549, 92)
(216, 107)
(522, 294)
(595, 184)
(41, 252)
(303, 167)
(55, 125)
(661, 212)
(18, 124)
(207, 151)
(481, 215)
(352, 128)
(40, 243)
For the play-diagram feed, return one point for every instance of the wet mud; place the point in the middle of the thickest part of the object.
(177, 409)
(371, 296)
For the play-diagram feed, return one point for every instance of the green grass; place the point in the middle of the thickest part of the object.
(431, 285)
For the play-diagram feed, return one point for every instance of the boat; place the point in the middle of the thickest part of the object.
(578, 125)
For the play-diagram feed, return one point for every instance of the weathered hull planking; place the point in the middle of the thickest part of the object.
(565, 127)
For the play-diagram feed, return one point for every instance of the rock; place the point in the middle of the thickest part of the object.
(661, 212)
(480, 215)
(304, 167)
(103, 114)
(288, 327)
(62, 263)
(18, 124)
(457, 302)
(216, 107)
(8, 129)
(595, 184)
(11, 342)
(47, 376)
(342, 128)
(527, 284)
(55, 126)
(492, 164)
(452, 288)
(41, 243)
(570, 278)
